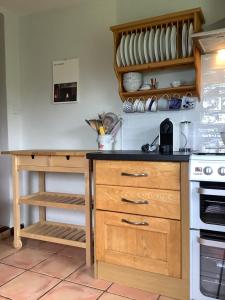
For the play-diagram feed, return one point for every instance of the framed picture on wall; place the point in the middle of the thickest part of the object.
(65, 81)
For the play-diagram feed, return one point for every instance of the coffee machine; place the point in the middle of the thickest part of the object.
(166, 137)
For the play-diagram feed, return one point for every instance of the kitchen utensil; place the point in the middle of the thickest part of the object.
(166, 137)
(163, 103)
(186, 136)
(109, 121)
(118, 58)
(132, 81)
(136, 56)
(168, 50)
(122, 50)
(141, 48)
(190, 41)
(126, 50)
(184, 40)
(146, 52)
(175, 103)
(116, 128)
(173, 42)
(151, 45)
(131, 49)
(156, 45)
(176, 83)
(128, 106)
(105, 142)
(162, 44)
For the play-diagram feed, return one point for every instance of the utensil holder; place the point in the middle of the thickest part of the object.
(105, 142)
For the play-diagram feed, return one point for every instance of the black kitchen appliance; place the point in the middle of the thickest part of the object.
(166, 137)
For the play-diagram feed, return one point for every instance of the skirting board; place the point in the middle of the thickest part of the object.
(155, 283)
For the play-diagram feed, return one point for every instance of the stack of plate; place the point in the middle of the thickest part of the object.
(153, 45)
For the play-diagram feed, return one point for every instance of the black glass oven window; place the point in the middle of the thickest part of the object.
(212, 208)
(212, 267)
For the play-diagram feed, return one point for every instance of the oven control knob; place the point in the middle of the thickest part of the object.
(207, 170)
(221, 171)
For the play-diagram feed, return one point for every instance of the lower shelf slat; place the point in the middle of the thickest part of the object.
(71, 235)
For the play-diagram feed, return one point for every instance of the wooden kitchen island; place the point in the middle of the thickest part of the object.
(142, 220)
(47, 161)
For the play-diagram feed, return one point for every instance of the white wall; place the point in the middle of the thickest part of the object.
(82, 32)
(34, 41)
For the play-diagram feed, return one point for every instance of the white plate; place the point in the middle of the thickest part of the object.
(184, 40)
(156, 45)
(168, 50)
(131, 49)
(173, 42)
(137, 62)
(126, 50)
(118, 58)
(122, 50)
(151, 45)
(146, 52)
(141, 47)
(162, 44)
(190, 42)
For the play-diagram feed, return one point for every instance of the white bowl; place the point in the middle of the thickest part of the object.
(132, 76)
(132, 81)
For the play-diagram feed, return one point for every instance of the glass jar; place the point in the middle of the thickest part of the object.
(186, 136)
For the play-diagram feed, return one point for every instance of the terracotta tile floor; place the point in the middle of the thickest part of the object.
(47, 271)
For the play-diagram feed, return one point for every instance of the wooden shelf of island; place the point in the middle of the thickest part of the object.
(181, 90)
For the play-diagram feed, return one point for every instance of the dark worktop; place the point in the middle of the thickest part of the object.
(137, 155)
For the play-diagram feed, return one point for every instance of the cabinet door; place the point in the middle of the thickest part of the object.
(144, 243)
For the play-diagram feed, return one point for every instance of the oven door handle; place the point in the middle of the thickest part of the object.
(211, 243)
(211, 192)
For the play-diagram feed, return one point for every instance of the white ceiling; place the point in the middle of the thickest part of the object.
(23, 7)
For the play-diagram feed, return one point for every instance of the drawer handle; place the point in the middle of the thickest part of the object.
(134, 201)
(134, 174)
(135, 223)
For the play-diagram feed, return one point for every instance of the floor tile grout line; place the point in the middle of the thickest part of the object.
(125, 297)
(74, 271)
(12, 279)
(82, 284)
(50, 289)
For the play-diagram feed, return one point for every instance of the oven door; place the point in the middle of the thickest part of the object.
(207, 205)
(207, 265)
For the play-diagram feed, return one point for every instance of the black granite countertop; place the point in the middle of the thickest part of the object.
(137, 155)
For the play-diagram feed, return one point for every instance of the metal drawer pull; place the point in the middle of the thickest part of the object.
(211, 192)
(135, 223)
(134, 174)
(211, 243)
(134, 201)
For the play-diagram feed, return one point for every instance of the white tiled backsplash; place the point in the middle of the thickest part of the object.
(208, 117)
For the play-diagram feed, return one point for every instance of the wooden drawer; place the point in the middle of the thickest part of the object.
(33, 160)
(152, 246)
(149, 202)
(160, 175)
(68, 161)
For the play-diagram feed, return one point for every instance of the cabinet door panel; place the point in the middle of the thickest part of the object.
(148, 202)
(152, 244)
(160, 175)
